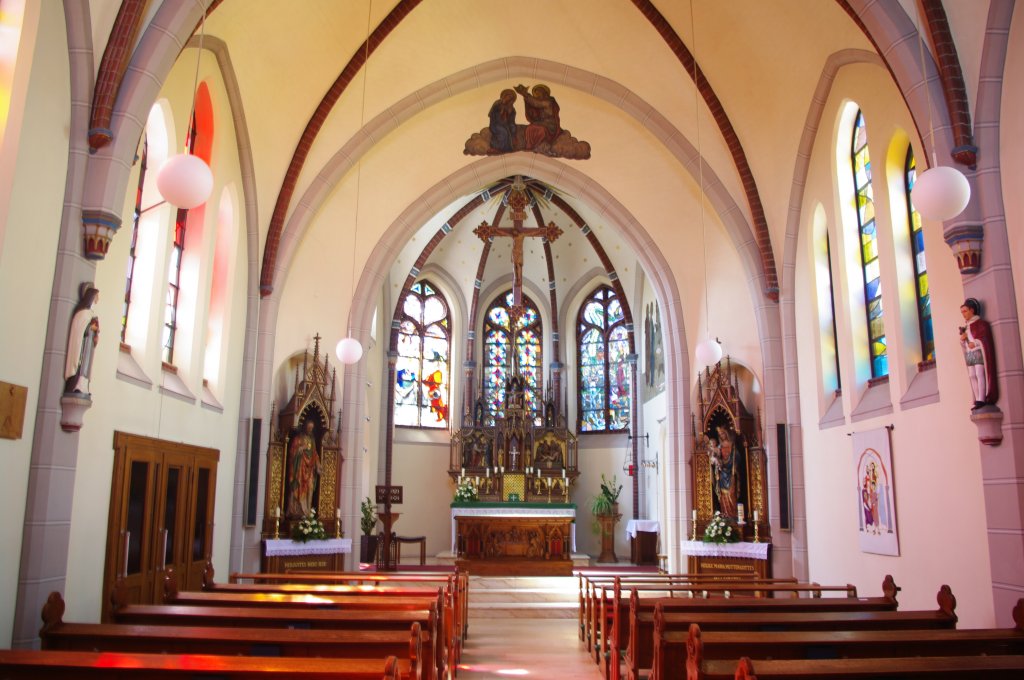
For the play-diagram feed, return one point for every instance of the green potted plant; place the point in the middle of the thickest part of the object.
(367, 523)
(605, 507)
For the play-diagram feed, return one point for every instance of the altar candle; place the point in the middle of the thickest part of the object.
(337, 513)
(755, 516)
(488, 473)
(694, 514)
(277, 512)
(462, 472)
(739, 511)
(563, 473)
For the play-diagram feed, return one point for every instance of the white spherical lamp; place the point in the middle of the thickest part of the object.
(185, 181)
(941, 193)
(708, 353)
(349, 351)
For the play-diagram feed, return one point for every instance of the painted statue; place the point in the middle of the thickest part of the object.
(303, 471)
(725, 473)
(979, 354)
(82, 340)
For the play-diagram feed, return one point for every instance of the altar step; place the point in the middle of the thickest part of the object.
(536, 597)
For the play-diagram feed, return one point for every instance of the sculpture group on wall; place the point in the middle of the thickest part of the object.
(542, 133)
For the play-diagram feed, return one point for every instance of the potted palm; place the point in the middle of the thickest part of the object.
(367, 523)
(605, 508)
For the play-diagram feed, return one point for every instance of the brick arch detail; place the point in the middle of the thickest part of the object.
(312, 129)
(725, 128)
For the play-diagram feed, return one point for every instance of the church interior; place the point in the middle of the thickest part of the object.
(271, 268)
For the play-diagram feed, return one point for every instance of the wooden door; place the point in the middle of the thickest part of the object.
(161, 510)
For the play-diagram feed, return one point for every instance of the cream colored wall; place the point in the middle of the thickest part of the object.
(26, 271)
(936, 456)
(121, 406)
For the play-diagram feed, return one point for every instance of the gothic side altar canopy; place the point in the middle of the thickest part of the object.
(729, 478)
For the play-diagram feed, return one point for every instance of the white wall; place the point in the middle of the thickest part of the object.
(936, 456)
(26, 270)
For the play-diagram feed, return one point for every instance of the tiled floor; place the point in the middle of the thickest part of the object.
(528, 648)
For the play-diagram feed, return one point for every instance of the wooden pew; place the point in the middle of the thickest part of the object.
(597, 595)
(407, 645)
(701, 648)
(435, 655)
(611, 629)
(1009, 667)
(749, 612)
(32, 665)
(389, 583)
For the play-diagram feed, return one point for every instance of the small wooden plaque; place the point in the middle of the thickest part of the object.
(12, 410)
(396, 494)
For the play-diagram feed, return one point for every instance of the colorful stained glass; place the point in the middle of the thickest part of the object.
(604, 375)
(924, 304)
(861, 164)
(498, 335)
(422, 368)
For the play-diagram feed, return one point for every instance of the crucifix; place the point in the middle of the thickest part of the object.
(518, 201)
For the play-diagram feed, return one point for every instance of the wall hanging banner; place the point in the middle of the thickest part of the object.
(876, 502)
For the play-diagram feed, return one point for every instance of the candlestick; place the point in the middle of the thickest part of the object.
(757, 539)
(277, 527)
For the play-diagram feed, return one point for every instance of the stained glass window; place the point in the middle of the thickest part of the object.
(869, 248)
(921, 290)
(174, 268)
(499, 338)
(422, 370)
(604, 376)
(136, 216)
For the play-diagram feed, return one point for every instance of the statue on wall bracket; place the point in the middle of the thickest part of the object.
(542, 133)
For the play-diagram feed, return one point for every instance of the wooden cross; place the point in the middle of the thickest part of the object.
(518, 201)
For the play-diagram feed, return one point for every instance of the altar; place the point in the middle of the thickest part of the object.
(281, 555)
(514, 539)
(741, 560)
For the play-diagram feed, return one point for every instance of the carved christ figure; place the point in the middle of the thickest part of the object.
(518, 202)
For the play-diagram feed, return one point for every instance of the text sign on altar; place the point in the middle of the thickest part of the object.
(396, 494)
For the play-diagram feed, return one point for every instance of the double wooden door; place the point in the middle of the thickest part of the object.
(161, 516)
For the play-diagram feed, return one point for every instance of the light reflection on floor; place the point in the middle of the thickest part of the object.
(519, 647)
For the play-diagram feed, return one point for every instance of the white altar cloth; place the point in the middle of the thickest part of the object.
(635, 525)
(287, 547)
(750, 551)
(516, 512)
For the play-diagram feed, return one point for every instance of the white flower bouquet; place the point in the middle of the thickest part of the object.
(721, 530)
(309, 528)
(466, 493)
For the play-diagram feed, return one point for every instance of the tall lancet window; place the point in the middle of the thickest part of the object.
(424, 358)
(499, 337)
(174, 266)
(869, 248)
(921, 290)
(136, 216)
(602, 348)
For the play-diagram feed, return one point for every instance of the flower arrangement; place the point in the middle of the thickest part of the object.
(721, 530)
(466, 493)
(309, 528)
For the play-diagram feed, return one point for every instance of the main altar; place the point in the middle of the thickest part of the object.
(521, 469)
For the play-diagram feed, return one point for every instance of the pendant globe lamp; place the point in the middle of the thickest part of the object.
(184, 180)
(709, 350)
(941, 192)
(349, 350)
